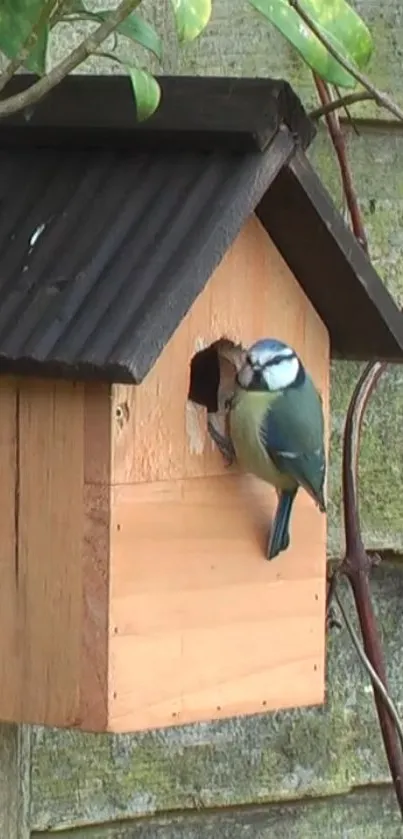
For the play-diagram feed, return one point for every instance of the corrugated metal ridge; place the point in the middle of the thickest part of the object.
(102, 254)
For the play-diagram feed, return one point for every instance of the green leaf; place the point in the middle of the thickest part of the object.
(191, 16)
(133, 27)
(137, 30)
(17, 17)
(338, 22)
(147, 92)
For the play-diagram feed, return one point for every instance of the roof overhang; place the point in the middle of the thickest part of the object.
(363, 320)
(196, 113)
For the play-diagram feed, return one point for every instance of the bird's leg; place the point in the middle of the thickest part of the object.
(224, 443)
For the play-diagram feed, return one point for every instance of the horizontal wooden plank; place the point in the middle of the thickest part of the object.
(369, 813)
(238, 761)
(193, 601)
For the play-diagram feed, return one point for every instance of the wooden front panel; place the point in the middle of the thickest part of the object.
(201, 626)
(252, 294)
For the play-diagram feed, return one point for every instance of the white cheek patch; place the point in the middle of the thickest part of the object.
(282, 375)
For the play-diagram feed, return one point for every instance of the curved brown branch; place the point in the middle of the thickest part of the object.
(345, 172)
(362, 392)
(356, 564)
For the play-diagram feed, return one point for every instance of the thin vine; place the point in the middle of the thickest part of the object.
(356, 565)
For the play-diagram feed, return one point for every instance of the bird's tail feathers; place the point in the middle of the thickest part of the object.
(279, 538)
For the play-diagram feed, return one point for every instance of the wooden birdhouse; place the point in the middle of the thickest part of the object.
(134, 587)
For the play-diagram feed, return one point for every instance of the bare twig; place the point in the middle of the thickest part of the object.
(88, 46)
(382, 99)
(346, 111)
(346, 176)
(28, 44)
(342, 102)
(356, 563)
(378, 685)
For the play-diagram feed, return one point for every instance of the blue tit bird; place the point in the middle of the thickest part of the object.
(276, 425)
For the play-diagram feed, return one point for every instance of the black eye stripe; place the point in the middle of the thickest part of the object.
(278, 360)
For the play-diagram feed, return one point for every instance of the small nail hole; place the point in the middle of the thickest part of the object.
(122, 413)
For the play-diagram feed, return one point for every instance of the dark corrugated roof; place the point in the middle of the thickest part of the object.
(109, 229)
(102, 254)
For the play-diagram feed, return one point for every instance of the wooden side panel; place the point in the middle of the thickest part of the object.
(252, 294)
(54, 553)
(49, 553)
(202, 627)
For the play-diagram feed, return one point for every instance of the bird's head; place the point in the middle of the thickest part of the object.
(270, 365)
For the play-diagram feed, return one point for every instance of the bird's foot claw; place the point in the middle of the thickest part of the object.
(224, 445)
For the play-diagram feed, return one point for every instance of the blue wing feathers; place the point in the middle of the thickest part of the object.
(292, 433)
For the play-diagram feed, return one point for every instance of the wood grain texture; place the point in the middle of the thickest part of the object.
(50, 536)
(96, 500)
(252, 294)
(368, 813)
(15, 777)
(10, 677)
(54, 552)
(193, 603)
(94, 652)
(41, 441)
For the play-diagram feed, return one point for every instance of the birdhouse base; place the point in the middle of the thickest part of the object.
(135, 592)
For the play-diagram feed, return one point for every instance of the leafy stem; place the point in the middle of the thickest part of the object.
(19, 59)
(87, 47)
(341, 102)
(380, 98)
